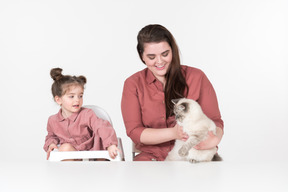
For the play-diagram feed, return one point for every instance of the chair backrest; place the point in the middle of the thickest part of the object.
(100, 112)
(134, 150)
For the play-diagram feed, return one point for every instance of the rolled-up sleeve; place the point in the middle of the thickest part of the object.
(208, 101)
(131, 111)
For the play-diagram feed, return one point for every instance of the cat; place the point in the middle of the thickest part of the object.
(196, 124)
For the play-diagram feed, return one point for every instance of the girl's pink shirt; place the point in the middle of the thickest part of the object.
(83, 130)
(143, 106)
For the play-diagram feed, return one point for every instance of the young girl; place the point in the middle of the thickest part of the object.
(75, 128)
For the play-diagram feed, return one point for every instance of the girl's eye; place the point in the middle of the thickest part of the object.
(71, 96)
(81, 96)
(151, 58)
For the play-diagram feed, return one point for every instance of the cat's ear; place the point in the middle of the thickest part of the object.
(175, 101)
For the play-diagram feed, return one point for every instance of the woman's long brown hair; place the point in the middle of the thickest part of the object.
(176, 86)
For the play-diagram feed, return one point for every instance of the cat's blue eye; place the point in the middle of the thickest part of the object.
(182, 107)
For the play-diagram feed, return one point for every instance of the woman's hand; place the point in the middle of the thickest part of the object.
(211, 141)
(113, 151)
(51, 148)
(180, 134)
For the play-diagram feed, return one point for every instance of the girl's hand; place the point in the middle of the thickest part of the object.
(180, 135)
(51, 148)
(113, 151)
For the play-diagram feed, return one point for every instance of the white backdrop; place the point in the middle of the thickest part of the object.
(242, 47)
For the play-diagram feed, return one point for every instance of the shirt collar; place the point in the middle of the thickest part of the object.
(150, 78)
(72, 117)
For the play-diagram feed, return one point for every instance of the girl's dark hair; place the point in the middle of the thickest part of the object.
(63, 82)
(176, 86)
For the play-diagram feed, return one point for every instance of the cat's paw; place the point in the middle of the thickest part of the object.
(193, 161)
(183, 152)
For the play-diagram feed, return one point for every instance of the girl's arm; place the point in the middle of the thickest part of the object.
(103, 129)
(113, 151)
(51, 138)
(51, 148)
(108, 136)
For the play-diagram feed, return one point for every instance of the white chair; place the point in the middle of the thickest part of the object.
(134, 150)
(56, 155)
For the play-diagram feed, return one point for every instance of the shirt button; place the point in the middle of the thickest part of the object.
(163, 101)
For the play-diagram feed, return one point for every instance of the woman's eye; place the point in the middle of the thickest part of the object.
(165, 54)
(71, 96)
(151, 58)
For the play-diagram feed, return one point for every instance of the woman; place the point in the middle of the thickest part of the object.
(146, 104)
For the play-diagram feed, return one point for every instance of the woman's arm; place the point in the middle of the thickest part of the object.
(209, 104)
(132, 116)
(211, 141)
(152, 136)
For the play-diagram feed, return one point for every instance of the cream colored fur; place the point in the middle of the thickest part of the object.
(196, 124)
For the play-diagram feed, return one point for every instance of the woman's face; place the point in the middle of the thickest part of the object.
(157, 57)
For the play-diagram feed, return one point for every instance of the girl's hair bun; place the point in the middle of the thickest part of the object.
(83, 79)
(56, 74)
(62, 82)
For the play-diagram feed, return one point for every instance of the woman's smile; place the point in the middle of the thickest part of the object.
(160, 67)
(158, 57)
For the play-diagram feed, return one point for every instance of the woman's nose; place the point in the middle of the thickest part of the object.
(159, 60)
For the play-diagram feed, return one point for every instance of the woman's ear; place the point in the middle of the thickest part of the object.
(58, 100)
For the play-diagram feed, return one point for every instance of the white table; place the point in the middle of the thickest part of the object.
(143, 176)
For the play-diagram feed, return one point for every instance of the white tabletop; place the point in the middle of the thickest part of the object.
(143, 176)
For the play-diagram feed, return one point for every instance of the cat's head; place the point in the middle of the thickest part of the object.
(185, 107)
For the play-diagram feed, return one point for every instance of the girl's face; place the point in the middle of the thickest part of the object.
(71, 101)
(157, 57)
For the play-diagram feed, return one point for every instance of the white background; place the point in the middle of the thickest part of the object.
(242, 47)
